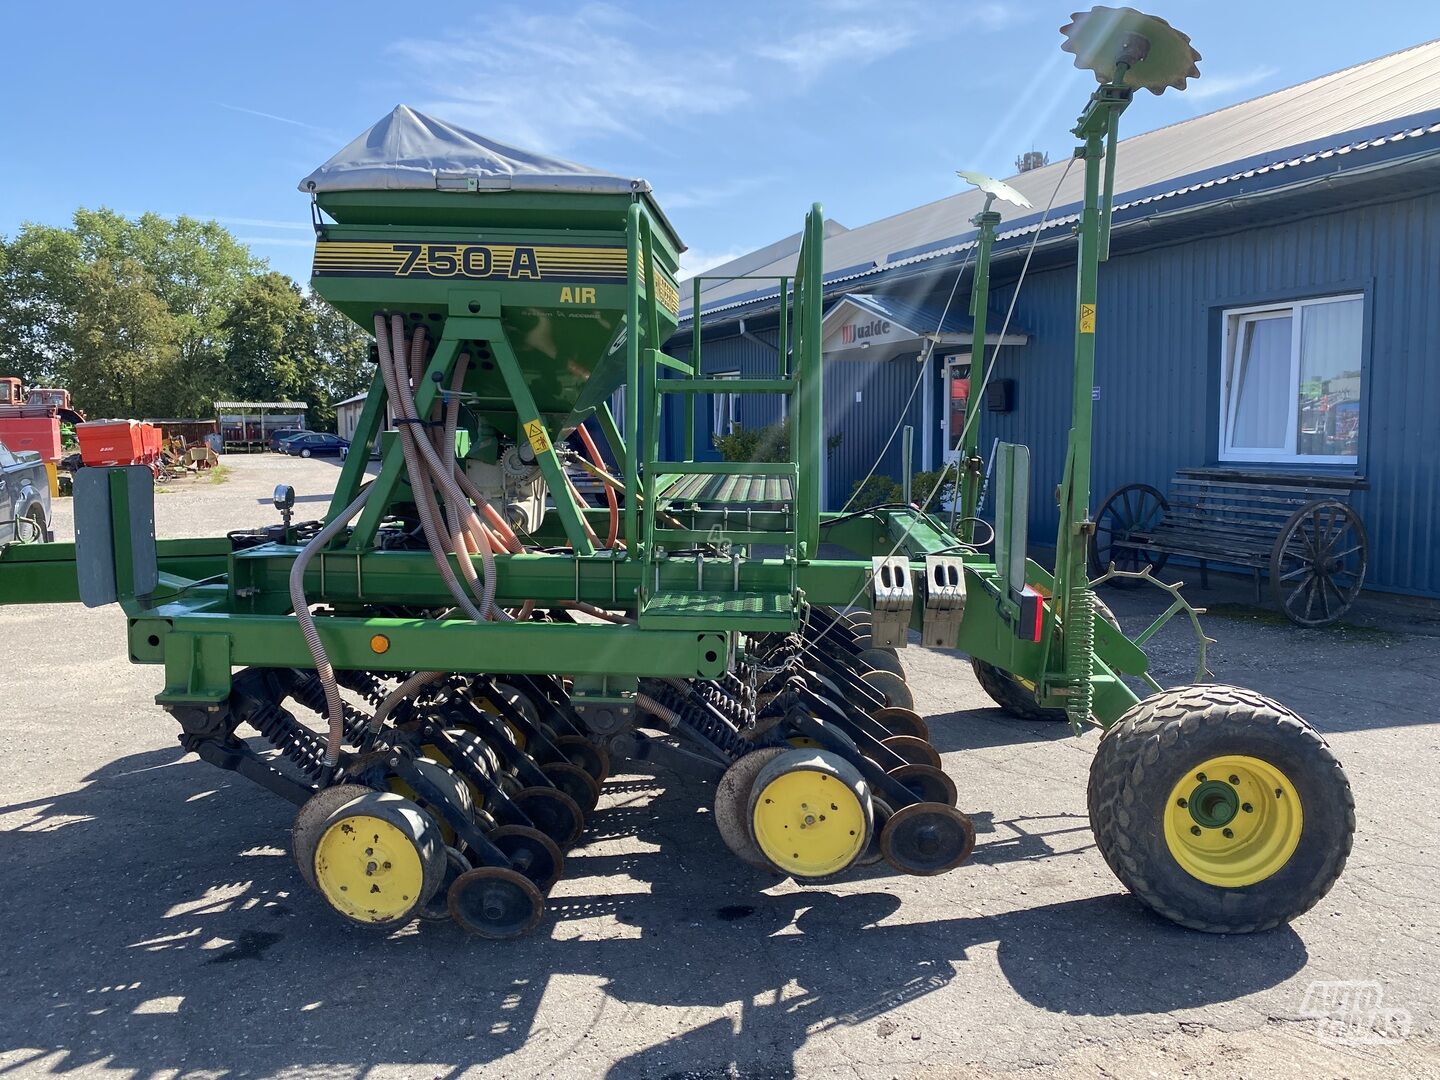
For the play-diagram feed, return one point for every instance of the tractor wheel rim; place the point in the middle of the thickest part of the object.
(369, 868)
(1233, 821)
(809, 823)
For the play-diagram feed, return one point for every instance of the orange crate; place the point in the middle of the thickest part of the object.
(39, 433)
(110, 442)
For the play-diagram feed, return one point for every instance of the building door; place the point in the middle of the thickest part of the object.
(957, 397)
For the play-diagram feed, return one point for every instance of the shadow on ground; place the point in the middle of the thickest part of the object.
(155, 922)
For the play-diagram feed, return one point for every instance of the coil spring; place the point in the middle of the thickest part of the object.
(723, 702)
(363, 683)
(309, 692)
(297, 744)
(708, 724)
(1080, 654)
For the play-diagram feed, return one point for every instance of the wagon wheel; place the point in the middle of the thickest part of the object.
(1318, 563)
(1129, 509)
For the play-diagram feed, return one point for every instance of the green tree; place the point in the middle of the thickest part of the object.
(123, 338)
(41, 273)
(268, 338)
(338, 361)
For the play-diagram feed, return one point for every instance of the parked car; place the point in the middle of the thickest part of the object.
(24, 498)
(315, 444)
(279, 435)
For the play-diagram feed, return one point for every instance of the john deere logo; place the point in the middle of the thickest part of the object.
(850, 333)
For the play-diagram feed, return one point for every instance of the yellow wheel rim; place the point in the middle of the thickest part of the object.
(1233, 821)
(808, 823)
(368, 868)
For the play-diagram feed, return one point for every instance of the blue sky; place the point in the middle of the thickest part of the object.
(740, 113)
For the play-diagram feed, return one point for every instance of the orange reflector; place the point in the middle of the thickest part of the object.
(379, 644)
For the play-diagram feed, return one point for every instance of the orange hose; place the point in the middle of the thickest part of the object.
(599, 463)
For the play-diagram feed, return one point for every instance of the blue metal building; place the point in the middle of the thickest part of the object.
(1272, 302)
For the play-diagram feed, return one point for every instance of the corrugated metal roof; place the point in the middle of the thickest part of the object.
(1288, 124)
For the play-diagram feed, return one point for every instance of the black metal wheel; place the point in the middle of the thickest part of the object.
(437, 908)
(1317, 566)
(1134, 508)
(494, 902)
(926, 783)
(581, 751)
(927, 838)
(881, 660)
(575, 782)
(874, 853)
(532, 853)
(914, 751)
(890, 687)
(553, 812)
(902, 722)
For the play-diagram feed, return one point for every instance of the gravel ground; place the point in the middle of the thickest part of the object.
(154, 926)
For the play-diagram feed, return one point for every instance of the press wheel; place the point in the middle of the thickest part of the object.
(927, 783)
(890, 687)
(732, 805)
(902, 722)
(436, 908)
(575, 782)
(873, 852)
(881, 660)
(532, 853)
(914, 751)
(495, 902)
(553, 812)
(579, 750)
(927, 838)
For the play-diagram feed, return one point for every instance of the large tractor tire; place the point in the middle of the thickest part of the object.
(1015, 697)
(1220, 809)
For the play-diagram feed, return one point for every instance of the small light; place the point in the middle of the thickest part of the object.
(379, 644)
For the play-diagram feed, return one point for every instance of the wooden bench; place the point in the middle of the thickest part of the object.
(1300, 529)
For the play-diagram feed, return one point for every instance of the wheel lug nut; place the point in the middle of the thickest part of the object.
(1200, 776)
(1182, 803)
(1234, 780)
(1229, 834)
(1195, 829)
(1248, 808)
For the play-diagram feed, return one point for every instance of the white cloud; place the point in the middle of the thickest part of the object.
(698, 260)
(812, 53)
(711, 194)
(261, 223)
(272, 116)
(275, 241)
(546, 82)
(1215, 86)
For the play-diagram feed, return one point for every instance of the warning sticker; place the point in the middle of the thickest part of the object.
(1087, 318)
(535, 432)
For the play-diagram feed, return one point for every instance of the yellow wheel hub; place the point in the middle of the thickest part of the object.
(808, 823)
(1233, 821)
(368, 868)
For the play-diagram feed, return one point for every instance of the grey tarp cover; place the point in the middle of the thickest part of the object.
(408, 151)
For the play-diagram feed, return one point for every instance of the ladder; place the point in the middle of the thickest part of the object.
(742, 504)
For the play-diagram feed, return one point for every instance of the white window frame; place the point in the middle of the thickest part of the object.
(952, 362)
(727, 405)
(1235, 319)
